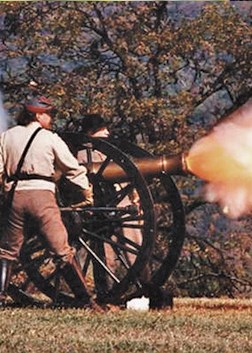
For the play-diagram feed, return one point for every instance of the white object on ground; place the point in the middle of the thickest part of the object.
(138, 304)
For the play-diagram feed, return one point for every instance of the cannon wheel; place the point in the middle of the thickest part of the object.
(170, 227)
(91, 229)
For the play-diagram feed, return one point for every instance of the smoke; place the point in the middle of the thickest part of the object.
(224, 160)
(4, 119)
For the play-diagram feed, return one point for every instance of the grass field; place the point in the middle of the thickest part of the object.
(194, 325)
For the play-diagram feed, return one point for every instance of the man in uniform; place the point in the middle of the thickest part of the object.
(94, 125)
(29, 189)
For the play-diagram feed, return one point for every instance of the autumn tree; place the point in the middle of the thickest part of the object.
(132, 62)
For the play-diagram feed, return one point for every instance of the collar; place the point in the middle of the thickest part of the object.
(34, 125)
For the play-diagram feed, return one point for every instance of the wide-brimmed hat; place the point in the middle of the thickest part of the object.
(92, 123)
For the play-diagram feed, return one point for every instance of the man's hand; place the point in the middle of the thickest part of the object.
(88, 198)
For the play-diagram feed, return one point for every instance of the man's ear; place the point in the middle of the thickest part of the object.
(44, 119)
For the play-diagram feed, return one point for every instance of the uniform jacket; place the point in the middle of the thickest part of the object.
(47, 153)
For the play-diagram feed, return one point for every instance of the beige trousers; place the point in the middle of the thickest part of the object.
(41, 206)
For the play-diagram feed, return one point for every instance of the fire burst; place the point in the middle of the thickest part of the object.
(223, 159)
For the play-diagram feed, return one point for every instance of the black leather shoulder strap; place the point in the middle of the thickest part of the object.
(14, 177)
(21, 161)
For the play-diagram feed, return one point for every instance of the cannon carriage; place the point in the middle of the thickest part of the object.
(124, 247)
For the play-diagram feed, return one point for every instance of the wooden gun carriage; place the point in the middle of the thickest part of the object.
(157, 217)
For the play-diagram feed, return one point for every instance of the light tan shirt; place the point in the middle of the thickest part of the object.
(47, 153)
(96, 156)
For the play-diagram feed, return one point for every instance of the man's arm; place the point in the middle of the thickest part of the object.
(68, 164)
(75, 173)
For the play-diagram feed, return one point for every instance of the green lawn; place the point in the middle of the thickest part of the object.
(204, 325)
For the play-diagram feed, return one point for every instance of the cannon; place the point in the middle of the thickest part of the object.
(117, 264)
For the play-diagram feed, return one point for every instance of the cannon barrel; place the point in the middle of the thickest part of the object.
(149, 167)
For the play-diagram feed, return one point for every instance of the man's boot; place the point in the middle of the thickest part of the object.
(5, 274)
(75, 279)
